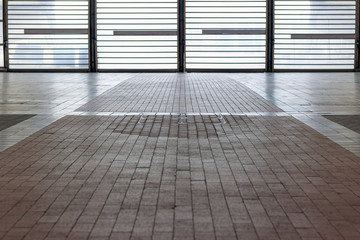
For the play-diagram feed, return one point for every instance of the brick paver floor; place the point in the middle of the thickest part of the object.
(170, 92)
(179, 176)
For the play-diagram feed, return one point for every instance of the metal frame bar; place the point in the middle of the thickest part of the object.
(270, 35)
(5, 34)
(92, 37)
(181, 35)
(357, 38)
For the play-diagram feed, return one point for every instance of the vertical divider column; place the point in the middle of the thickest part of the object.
(357, 37)
(92, 37)
(181, 36)
(5, 34)
(270, 35)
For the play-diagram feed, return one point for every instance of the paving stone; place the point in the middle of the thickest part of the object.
(162, 175)
(179, 94)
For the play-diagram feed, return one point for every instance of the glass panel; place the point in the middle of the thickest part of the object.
(225, 34)
(314, 34)
(137, 34)
(48, 34)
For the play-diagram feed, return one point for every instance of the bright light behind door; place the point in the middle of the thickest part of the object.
(48, 34)
(225, 34)
(137, 34)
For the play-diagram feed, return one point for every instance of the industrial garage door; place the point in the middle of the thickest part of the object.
(137, 34)
(48, 34)
(225, 34)
(314, 34)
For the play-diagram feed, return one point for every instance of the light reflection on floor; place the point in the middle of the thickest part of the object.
(306, 96)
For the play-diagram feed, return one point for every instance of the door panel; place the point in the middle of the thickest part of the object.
(225, 34)
(137, 34)
(314, 34)
(48, 34)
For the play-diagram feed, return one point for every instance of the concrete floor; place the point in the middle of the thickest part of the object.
(180, 156)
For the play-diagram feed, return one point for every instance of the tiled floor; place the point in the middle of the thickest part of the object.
(308, 96)
(190, 156)
(8, 120)
(199, 93)
(349, 121)
(49, 96)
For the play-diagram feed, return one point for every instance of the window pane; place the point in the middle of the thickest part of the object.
(314, 34)
(48, 34)
(137, 34)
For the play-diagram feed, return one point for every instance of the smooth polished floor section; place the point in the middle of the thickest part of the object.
(263, 173)
(308, 96)
(49, 96)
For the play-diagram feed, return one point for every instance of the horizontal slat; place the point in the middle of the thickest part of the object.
(55, 31)
(43, 52)
(47, 46)
(314, 66)
(322, 36)
(210, 60)
(289, 40)
(221, 66)
(300, 52)
(146, 49)
(201, 48)
(49, 66)
(144, 33)
(217, 4)
(150, 60)
(137, 66)
(122, 55)
(69, 57)
(48, 12)
(49, 61)
(49, 3)
(229, 54)
(233, 31)
(311, 56)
